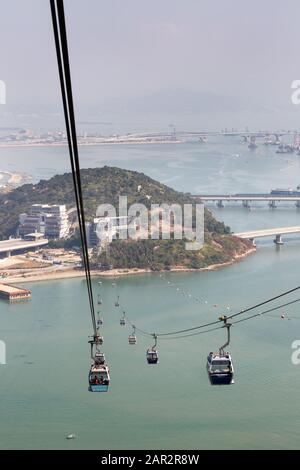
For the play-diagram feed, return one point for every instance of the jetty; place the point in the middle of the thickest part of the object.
(13, 293)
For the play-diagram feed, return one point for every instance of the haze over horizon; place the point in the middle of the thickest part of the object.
(211, 64)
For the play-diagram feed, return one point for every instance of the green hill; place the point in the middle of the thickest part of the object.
(105, 185)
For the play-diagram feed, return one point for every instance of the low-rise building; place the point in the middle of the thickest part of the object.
(50, 220)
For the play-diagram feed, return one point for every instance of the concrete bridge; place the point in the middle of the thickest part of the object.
(246, 199)
(19, 245)
(269, 232)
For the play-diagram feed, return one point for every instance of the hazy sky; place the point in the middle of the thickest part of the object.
(126, 49)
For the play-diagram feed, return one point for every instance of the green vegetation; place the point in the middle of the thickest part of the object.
(166, 254)
(99, 185)
(105, 185)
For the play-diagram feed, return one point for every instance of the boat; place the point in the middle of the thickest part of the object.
(286, 192)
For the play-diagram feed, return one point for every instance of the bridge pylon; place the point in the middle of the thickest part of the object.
(278, 240)
(246, 204)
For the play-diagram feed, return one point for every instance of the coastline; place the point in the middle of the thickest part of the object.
(72, 273)
(10, 180)
(88, 144)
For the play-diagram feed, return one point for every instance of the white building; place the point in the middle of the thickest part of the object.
(51, 220)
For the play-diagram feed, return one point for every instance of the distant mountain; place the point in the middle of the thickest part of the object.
(183, 101)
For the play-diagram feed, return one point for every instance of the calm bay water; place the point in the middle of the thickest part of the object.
(43, 387)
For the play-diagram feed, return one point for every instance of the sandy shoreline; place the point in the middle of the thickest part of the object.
(13, 178)
(72, 273)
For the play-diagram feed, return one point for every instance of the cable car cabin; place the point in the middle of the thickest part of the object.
(152, 356)
(132, 339)
(99, 358)
(100, 340)
(220, 369)
(122, 321)
(99, 378)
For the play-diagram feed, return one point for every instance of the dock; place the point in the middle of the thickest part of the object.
(13, 293)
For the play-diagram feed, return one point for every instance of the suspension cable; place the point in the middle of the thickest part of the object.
(172, 335)
(241, 312)
(61, 44)
(267, 311)
(265, 302)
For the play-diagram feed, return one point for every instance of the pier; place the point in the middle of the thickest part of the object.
(13, 293)
(269, 232)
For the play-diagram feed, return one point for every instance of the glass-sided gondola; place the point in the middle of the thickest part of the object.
(132, 339)
(152, 356)
(220, 369)
(152, 353)
(99, 378)
(122, 319)
(219, 365)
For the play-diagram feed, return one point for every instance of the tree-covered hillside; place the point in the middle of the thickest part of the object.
(105, 185)
(100, 185)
